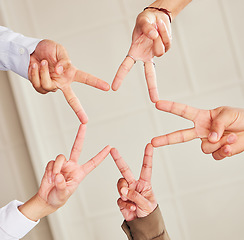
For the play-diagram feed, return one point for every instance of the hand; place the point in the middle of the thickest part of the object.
(63, 177)
(137, 199)
(221, 130)
(151, 37)
(51, 69)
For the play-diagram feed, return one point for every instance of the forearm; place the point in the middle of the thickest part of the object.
(13, 224)
(36, 208)
(15, 50)
(148, 228)
(174, 6)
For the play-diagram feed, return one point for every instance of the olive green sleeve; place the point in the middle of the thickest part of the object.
(146, 228)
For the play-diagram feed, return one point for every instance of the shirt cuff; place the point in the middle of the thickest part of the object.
(13, 222)
(149, 227)
(21, 50)
(16, 50)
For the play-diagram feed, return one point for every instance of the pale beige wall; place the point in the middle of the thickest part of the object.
(199, 197)
(17, 177)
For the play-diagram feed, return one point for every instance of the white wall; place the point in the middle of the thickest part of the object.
(199, 197)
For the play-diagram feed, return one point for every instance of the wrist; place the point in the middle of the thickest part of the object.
(36, 208)
(174, 7)
(163, 10)
(149, 227)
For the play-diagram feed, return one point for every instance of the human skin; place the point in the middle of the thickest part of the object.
(136, 196)
(151, 37)
(221, 130)
(60, 180)
(50, 69)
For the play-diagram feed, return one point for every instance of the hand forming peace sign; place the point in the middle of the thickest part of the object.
(137, 198)
(151, 37)
(51, 69)
(221, 130)
(62, 177)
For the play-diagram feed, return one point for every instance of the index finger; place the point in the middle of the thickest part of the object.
(75, 104)
(95, 161)
(180, 136)
(146, 170)
(122, 166)
(150, 75)
(178, 109)
(91, 80)
(78, 144)
(123, 70)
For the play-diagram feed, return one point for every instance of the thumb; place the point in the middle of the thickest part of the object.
(61, 65)
(218, 126)
(63, 60)
(134, 196)
(148, 28)
(61, 187)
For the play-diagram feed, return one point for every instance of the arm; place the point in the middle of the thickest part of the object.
(149, 227)
(15, 51)
(175, 6)
(151, 37)
(47, 65)
(221, 130)
(60, 180)
(137, 203)
(13, 224)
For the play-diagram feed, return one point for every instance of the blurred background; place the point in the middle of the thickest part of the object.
(200, 198)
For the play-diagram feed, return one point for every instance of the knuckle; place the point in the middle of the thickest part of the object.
(33, 73)
(217, 122)
(40, 90)
(124, 67)
(160, 53)
(36, 86)
(205, 149)
(167, 45)
(215, 157)
(120, 181)
(47, 85)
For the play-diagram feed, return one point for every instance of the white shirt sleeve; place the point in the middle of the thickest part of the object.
(13, 224)
(15, 51)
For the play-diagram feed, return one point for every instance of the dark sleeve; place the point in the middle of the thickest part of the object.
(147, 228)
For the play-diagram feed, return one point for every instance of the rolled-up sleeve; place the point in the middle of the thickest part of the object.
(15, 51)
(13, 224)
(147, 228)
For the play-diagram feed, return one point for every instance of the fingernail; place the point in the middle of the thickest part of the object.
(226, 151)
(213, 136)
(124, 191)
(132, 208)
(34, 65)
(124, 198)
(231, 138)
(43, 63)
(60, 69)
